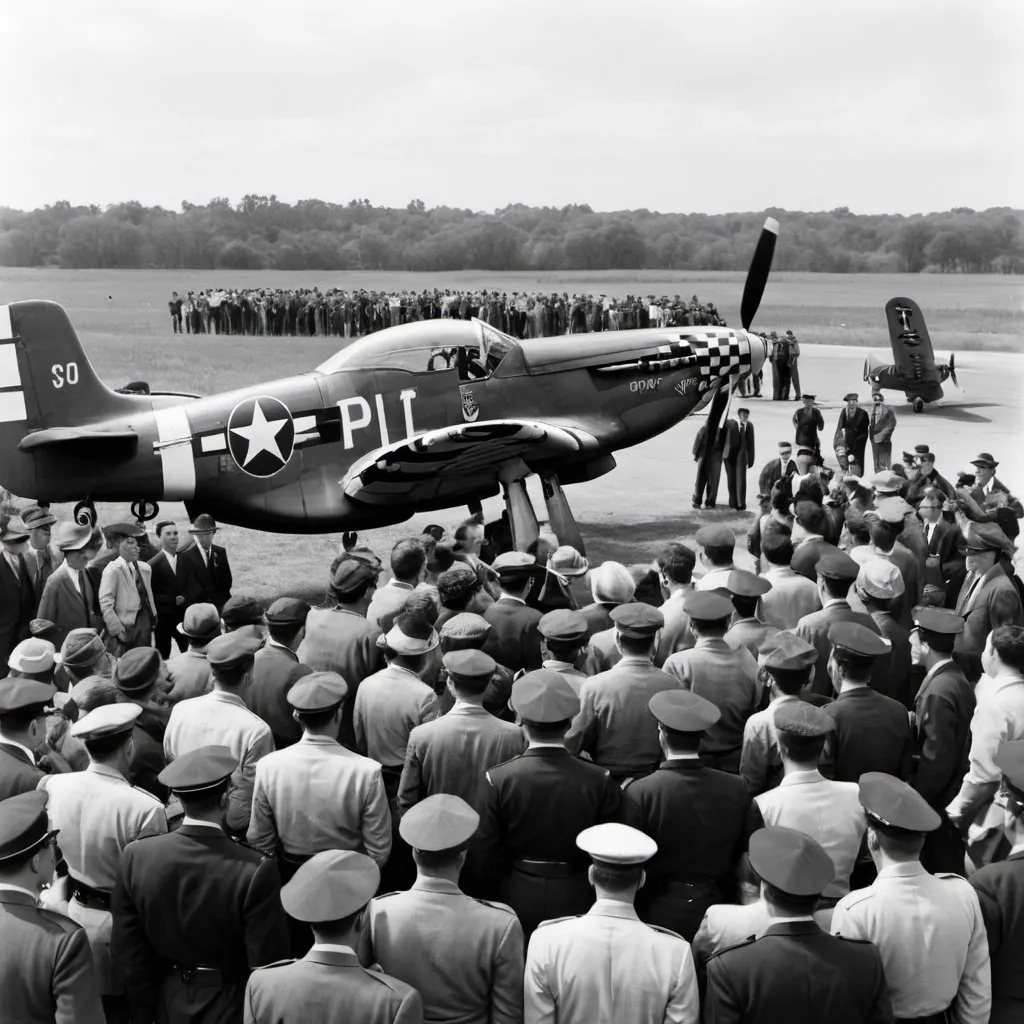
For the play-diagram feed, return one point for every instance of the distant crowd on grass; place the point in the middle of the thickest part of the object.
(350, 314)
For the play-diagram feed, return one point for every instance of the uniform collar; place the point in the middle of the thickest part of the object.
(936, 669)
(424, 883)
(226, 698)
(803, 925)
(30, 754)
(712, 643)
(909, 869)
(105, 770)
(319, 741)
(802, 778)
(462, 707)
(511, 598)
(17, 894)
(282, 647)
(836, 602)
(399, 585)
(195, 827)
(613, 908)
(332, 955)
(538, 746)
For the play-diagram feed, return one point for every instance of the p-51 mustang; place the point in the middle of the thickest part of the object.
(915, 372)
(415, 418)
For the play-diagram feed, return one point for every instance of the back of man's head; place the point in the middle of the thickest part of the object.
(408, 557)
(1008, 643)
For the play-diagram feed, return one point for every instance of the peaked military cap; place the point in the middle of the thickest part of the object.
(232, 650)
(706, 605)
(543, 696)
(106, 720)
(837, 566)
(637, 621)
(317, 691)
(513, 564)
(330, 886)
(790, 860)
(21, 695)
(746, 584)
(984, 459)
(938, 620)
(795, 718)
(616, 845)
(788, 651)
(440, 822)
(469, 664)
(23, 824)
(199, 770)
(852, 396)
(857, 639)
(891, 802)
(683, 711)
(563, 624)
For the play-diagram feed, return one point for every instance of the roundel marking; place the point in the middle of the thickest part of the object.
(261, 435)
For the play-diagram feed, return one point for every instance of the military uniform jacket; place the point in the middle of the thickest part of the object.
(696, 815)
(870, 733)
(17, 772)
(513, 640)
(317, 795)
(389, 705)
(749, 633)
(607, 967)
(726, 924)
(929, 932)
(195, 897)
(898, 683)
(798, 974)
(614, 724)
(1000, 889)
(189, 675)
(275, 670)
(327, 986)
(46, 969)
(814, 629)
(463, 956)
(452, 754)
(943, 711)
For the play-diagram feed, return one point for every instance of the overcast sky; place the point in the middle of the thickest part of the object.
(672, 105)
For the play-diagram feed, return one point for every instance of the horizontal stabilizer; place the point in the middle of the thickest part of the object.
(110, 441)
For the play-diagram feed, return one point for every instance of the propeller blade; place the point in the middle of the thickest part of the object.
(952, 370)
(757, 275)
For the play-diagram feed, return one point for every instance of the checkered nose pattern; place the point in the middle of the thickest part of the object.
(720, 355)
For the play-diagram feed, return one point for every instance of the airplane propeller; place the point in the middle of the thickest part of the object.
(952, 369)
(753, 289)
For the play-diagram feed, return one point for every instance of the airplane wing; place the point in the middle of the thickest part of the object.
(911, 345)
(454, 460)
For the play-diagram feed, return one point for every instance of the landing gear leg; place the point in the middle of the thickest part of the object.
(522, 518)
(918, 405)
(144, 511)
(563, 523)
(85, 513)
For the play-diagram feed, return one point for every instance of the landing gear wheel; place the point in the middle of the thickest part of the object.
(143, 511)
(85, 513)
(918, 405)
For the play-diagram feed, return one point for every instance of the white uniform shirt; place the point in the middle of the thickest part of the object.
(791, 598)
(714, 578)
(930, 934)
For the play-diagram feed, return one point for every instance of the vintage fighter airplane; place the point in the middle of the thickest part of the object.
(915, 372)
(415, 418)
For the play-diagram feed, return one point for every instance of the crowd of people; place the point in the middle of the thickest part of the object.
(343, 313)
(491, 784)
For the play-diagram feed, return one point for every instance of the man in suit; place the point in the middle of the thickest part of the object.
(927, 928)
(464, 956)
(537, 803)
(138, 677)
(188, 673)
(880, 431)
(870, 732)
(46, 967)
(40, 522)
(986, 482)
(809, 543)
(22, 732)
(193, 911)
(795, 971)
(176, 585)
(778, 469)
(276, 669)
(17, 587)
(807, 421)
(879, 586)
(210, 563)
(946, 545)
(792, 595)
(696, 815)
(126, 594)
(942, 717)
(851, 436)
(330, 893)
(68, 597)
(836, 574)
(514, 640)
(709, 467)
(1000, 889)
(608, 965)
(738, 455)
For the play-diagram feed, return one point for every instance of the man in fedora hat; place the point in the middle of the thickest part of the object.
(126, 593)
(189, 672)
(176, 585)
(210, 562)
(68, 597)
(17, 594)
(986, 482)
(39, 522)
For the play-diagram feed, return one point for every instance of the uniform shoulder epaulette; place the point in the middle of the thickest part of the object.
(664, 931)
(494, 905)
(857, 897)
(850, 938)
(501, 764)
(146, 792)
(733, 945)
(385, 895)
(949, 874)
(559, 920)
(276, 963)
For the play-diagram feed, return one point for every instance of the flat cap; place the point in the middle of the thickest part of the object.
(106, 720)
(232, 650)
(880, 578)
(43, 629)
(440, 822)
(543, 696)
(511, 564)
(611, 582)
(785, 446)
(456, 582)
(124, 530)
(563, 624)
(887, 482)
(567, 561)
(410, 635)
(73, 537)
(893, 510)
(330, 886)
(791, 861)
(1009, 759)
(837, 566)
(465, 626)
(287, 611)
(683, 711)
(706, 605)
(857, 639)
(984, 459)
(22, 695)
(637, 621)
(988, 537)
(32, 655)
(938, 620)
(922, 449)
(35, 517)
(616, 845)
(199, 770)
(795, 718)
(851, 396)
(137, 670)
(242, 611)
(715, 535)
(317, 691)
(789, 651)
(469, 664)
(81, 647)
(889, 801)
(351, 574)
(23, 824)
(201, 622)
(746, 584)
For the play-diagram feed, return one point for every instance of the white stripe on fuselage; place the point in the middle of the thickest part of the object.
(6, 331)
(12, 406)
(176, 460)
(10, 375)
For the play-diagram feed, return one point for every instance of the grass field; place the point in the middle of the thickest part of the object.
(127, 336)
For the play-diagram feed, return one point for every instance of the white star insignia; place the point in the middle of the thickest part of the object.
(261, 435)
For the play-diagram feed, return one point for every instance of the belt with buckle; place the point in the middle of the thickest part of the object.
(87, 896)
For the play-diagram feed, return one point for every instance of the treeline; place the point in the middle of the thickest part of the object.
(261, 232)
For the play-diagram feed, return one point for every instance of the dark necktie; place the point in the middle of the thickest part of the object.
(82, 586)
(874, 418)
(141, 588)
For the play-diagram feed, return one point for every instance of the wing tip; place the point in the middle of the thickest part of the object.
(772, 225)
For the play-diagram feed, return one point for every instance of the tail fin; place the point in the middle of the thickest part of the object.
(46, 380)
